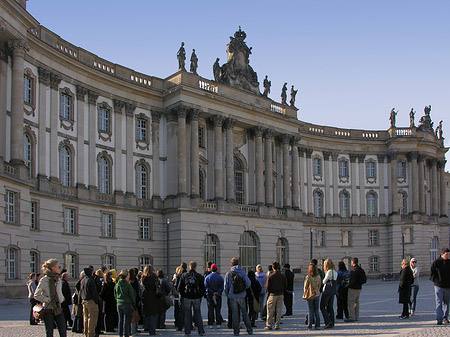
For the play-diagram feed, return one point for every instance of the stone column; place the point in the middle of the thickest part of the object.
(92, 160)
(442, 188)
(334, 157)
(54, 117)
(393, 184)
(181, 131)
(434, 188)
(285, 140)
(309, 182)
(130, 141)
(259, 166)
(171, 165)
(218, 157)
(156, 174)
(118, 114)
(268, 134)
(195, 166)
(362, 194)
(229, 123)
(3, 100)
(44, 83)
(81, 94)
(353, 174)
(19, 47)
(295, 173)
(380, 172)
(326, 178)
(414, 182)
(421, 184)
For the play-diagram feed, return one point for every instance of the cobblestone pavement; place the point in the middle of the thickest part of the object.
(378, 317)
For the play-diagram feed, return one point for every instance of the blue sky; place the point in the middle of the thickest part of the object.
(351, 61)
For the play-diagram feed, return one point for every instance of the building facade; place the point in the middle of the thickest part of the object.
(102, 165)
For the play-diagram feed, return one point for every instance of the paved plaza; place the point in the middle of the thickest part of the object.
(378, 317)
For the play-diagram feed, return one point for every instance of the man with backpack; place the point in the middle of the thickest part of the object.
(236, 283)
(192, 289)
(357, 279)
(276, 285)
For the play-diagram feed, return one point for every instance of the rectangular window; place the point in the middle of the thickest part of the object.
(103, 120)
(401, 169)
(317, 167)
(33, 215)
(107, 225)
(145, 228)
(109, 262)
(28, 90)
(370, 169)
(373, 237)
(69, 221)
(11, 207)
(34, 262)
(144, 261)
(239, 187)
(11, 263)
(407, 235)
(343, 168)
(346, 238)
(374, 264)
(321, 238)
(201, 136)
(141, 130)
(66, 106)
(71, 265)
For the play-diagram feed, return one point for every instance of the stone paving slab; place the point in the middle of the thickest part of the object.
(378, 317)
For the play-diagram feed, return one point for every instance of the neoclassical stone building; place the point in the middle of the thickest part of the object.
(102, 165)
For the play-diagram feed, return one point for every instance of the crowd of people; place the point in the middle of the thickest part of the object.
(104, 301)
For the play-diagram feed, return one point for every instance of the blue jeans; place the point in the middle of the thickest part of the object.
(50, 319)
(326, 306)
(415, 290)
(262, 297)
(313, 306)
(238, 305)
(151, 324)
(125, 312)
(442, 296)
(187, 306)
(214, 310)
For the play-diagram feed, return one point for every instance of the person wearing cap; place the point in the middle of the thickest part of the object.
(289, 292)
(214, 288)
(415, 285)
(440, 275)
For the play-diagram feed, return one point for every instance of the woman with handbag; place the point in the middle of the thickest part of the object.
(311, 293)
(49, 293)
(253, 299)
(31, 285)
(328, 294)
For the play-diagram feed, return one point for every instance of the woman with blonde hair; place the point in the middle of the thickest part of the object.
(329, 292)
(404, 288)
(311, 293)
(49, 293)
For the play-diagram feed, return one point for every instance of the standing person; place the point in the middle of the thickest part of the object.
(404, 288)
(311, 293)
(177, 303)
(289, 292)
(415, 285)
(109, 303)
(31, 285)
(132, 279)
(125, 298)
(261, 277)
(214, 288)
(67, 293)
(165, 291)
(269, 272)
(327, 300)
(49, 293)
(208, 269)
(89, 300)
(342, 290)
(357, 279)
(440, 275)
(253, 294)
(236, 282)
(77, 307)
(276, 286)
(192, 289)
(151, 301)
(99, 279)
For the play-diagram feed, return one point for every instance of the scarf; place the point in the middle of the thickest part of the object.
(54, 303)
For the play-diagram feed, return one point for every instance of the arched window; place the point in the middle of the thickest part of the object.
(239, 180)
(65, 166)
(34, 261)
(402, 203)
(145, 260)
(434, 249)
(201, 184)
(71, 264)
(104, 175)
(141, 181)
(211, 249)
(28, 153)
(109, 261)
(248, 250)
(12, 263)
(282, 251)
(344, 200)
(318, 204)
(372, 204)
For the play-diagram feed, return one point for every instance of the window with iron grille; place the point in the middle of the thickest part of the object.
(248, 250)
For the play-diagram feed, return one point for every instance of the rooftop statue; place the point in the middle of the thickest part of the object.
(283, 94)
(266, 84)
(181, 56)
(439, 132)
(217, 70)
(392, 117)
(194, 62)
(293, 94)
(237, 72)
(425, 123)
(411, 118)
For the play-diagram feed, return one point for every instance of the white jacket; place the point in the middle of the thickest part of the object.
(42, 293)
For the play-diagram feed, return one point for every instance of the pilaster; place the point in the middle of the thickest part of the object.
(229, 123)
(268, 134)
(81, 93)
(55, 80)
(260, 200)
(195, 165)
(92, 135)
(156, 173)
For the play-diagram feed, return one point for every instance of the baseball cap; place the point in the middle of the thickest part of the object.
(214, 267)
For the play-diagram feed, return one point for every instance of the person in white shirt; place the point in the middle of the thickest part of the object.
(328, 294)
(415, 285)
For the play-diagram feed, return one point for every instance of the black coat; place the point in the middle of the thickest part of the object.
(67, 293)
(404, 288)
(107, 295)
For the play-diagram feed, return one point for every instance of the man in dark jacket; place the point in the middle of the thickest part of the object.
(89, 300)
(357, 279)
(276, 285)
(214, 289)
(67, 299)
(192, 289)
(440, 275)
(288, 293)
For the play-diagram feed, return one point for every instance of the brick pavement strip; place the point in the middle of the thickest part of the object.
(378, 316)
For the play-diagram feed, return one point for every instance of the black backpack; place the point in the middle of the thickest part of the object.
(345, 279)
(191, 286)
(238, 283)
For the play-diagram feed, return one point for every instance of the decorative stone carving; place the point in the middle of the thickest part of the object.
(258, 131)
(326, 155)
(295, 140)
(266, 84)
(81, 93)
(353, 157)
(19, 47)
(392, 156)
(361, 157)
(392, 117)
(44, 76)
(293, 94)
(156, 115)
(411, 118)
(194, 62)
(334, 156)
(308, 153)
(217, 71)
(285, 138)
(55, 80)
(216, 120)
(237, 72)
(181, 56)
(425, 123)
(129, 109)
(439, 131)
(92, 97)
(381, 157)
(105, 154)
(181, 111)
(229, 123)
(268, 133)
(411, 156)
(118, 105)
(283, 94)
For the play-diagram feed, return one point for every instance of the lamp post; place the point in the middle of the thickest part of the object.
(310, 244)
(167, 245)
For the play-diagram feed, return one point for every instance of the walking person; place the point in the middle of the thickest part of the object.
(311, 293)
(357, 279)
(192, 289)
(343, 279)
(214, 288)
(125, 298)
(415, 285)
(67, 293)
(253, 298)
(329, 292)
(235, 285)
(109, 303)
(165, 291)
(49, 293)
(150, 300)
(31, 286)
(289, 292)
(440, 275)
(404, 288)
(261, 277)
(89, 300)
(276, 285)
